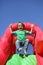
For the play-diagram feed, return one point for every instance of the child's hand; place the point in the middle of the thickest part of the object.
(10, 25)
(10, 28)
(32, 25)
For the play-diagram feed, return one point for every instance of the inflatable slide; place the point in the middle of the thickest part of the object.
(8, 54)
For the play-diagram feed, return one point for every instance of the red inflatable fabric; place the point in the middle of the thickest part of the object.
(7, 46)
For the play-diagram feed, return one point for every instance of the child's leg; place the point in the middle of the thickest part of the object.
(18, 45)
(26, 42)
(28, 46)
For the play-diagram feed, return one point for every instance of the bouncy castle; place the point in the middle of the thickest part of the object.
(8, 48)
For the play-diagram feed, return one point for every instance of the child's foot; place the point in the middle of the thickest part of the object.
(27, 55)
(21, 55)
(19, 49)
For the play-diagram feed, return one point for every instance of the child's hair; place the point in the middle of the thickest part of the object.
(21, 23)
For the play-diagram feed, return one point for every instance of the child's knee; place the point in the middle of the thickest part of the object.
(17, 40)
(27, 40)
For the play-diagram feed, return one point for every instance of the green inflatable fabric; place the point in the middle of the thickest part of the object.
(18, 60)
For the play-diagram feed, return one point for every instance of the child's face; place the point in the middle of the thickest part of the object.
(20, 26)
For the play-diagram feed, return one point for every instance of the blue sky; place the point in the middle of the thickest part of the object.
(20, 10)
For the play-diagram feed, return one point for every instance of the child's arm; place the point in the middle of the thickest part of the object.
(30, 32)
(13, 32)
(31, 28)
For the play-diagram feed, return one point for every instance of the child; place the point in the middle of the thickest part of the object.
(21, 34)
